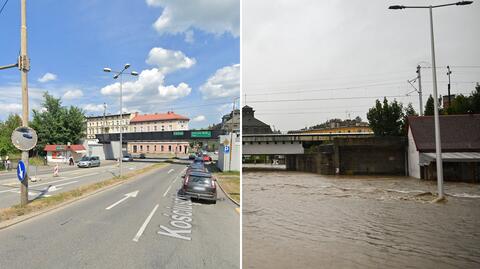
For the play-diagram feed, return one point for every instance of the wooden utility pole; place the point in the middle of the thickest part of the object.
(24, 66)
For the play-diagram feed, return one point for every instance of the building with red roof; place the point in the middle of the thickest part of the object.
(158, 122)
(62, 153)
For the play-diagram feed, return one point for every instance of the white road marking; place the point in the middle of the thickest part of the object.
(128, 195)
(144, 225)
(54, 181)
(165, 193)
(171, 170)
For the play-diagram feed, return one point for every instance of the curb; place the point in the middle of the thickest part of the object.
(226, 194)
(20, 219)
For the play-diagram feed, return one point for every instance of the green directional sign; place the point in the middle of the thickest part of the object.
(178, 133)
(201, 134)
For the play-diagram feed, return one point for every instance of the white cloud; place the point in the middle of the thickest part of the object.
(7, 109)
(214, 16)
(72, 94)
(189, 36)
(224, 83)
(172, 93)
(47, 77)
(169, 60)
(199, 118)
(93, 107)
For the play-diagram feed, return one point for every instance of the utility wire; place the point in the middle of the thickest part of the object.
(4, 4)
(327, 99)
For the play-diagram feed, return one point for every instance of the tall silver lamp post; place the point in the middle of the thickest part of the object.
(438, 144)
(119, 74)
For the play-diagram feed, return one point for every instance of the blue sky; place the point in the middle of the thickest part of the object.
(192, 50)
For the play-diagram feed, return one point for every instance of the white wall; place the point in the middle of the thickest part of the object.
(413, 157)
(272, 149)
(224, 158)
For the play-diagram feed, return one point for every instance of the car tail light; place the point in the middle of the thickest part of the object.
(213, 183)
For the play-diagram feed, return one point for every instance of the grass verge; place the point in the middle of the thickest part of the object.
(230, 182)
(47, 202)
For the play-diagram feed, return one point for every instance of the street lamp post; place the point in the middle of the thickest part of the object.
(119, 74)
(438, 145)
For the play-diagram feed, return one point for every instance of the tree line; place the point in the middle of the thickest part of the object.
(53, 122)
(390, 118)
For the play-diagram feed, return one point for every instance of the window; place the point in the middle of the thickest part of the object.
(180, 148)
(161, 148)
(155, 148)
(155, 127)
(169, 148)
(163, 128)
(134, 129)
(148, 128)
(141, 148)
(148, 148)
(135, 149)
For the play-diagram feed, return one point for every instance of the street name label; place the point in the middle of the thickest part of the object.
(201, 134)
(21, 171)
(180, 220)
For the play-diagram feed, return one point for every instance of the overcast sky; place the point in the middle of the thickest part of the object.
(309, 49)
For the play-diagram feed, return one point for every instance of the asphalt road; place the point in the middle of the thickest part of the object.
(69, 178)
(155, 229)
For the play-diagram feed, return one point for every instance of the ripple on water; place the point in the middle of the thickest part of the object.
(302, 220)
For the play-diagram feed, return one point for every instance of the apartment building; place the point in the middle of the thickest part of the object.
(108, 124)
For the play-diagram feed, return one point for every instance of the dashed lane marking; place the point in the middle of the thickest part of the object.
(144, 225)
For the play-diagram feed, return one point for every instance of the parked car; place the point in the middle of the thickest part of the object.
(127, 158)
(198, 160)
(142, 156)
(207, 158)
(87, 161)
(200, 185)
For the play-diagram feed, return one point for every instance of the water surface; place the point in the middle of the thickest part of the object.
(302, 220)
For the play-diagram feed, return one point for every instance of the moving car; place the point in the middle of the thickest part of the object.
(87, 161)
(200, 185)
(192, 156)
(127, 158)
(207, 158)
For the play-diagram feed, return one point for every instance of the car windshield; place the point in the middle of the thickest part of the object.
(85, 158)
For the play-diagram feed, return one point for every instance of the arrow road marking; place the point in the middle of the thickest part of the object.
(144, 225)
(128, 195)
(171, 170)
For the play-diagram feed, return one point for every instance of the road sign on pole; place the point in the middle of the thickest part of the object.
(21, 171)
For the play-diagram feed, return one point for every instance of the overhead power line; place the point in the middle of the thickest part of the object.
(327, 99)
(3, 6)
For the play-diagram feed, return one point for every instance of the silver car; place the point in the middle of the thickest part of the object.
(87, 161)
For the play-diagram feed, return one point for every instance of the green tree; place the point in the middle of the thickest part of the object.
(56, 124)
(460, 105)
(429, 107)
(6, 128)
(475, 99)
(386, 119)
(409, 111)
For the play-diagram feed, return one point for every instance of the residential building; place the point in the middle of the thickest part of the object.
(252, 125)
(158, 122)
(231, 121)
(107, 124)
(460, 137)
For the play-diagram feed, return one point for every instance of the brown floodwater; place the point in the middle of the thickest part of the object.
(302, 220)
